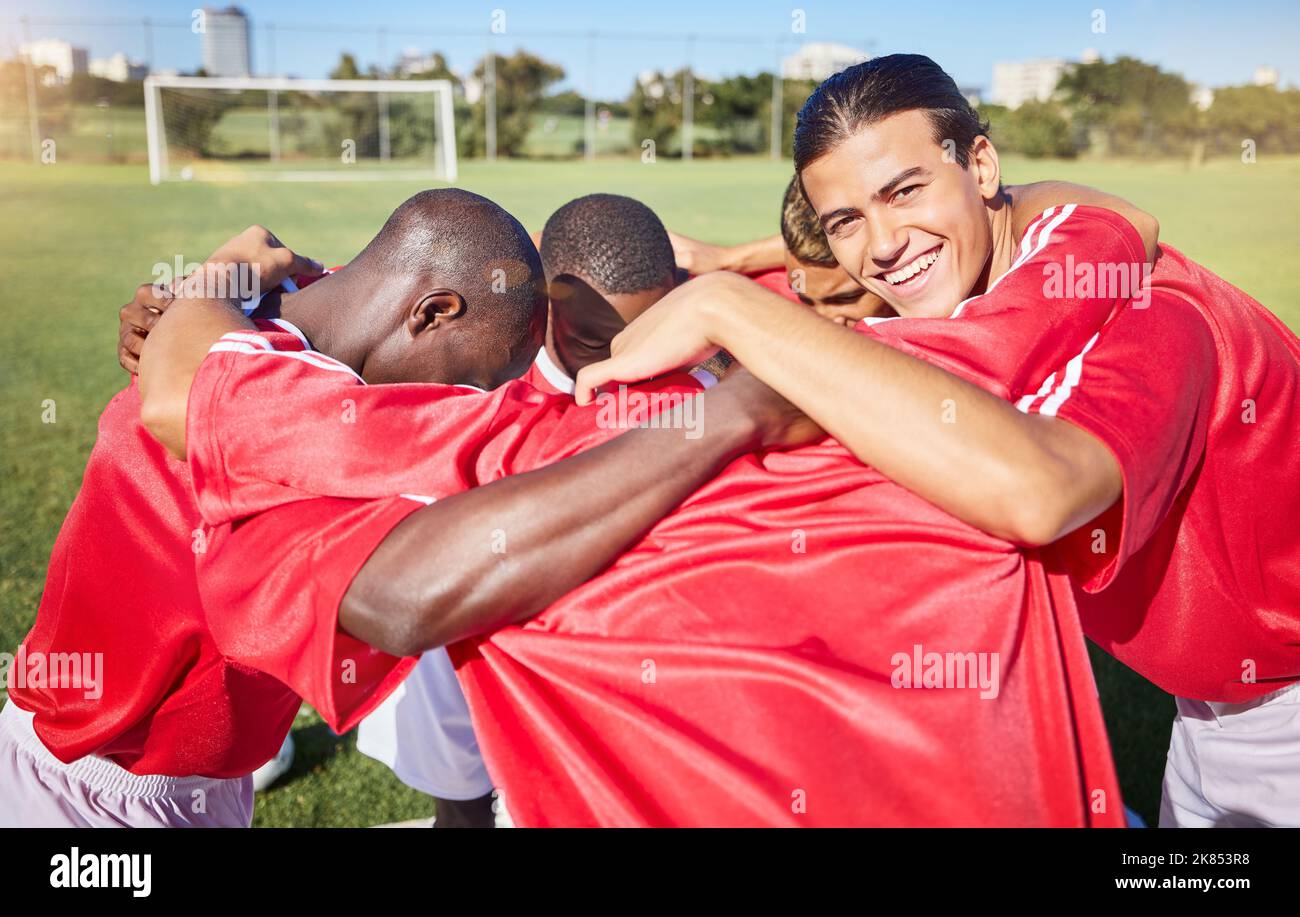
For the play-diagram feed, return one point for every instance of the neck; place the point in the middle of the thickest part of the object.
(1003, 250)
(332, 313)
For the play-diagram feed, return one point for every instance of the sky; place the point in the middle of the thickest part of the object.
(1213, 43)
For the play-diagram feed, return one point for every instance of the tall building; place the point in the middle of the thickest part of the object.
(226, 42)
(819, 60)
(57, 54)
(1018, 82)
(119, 68)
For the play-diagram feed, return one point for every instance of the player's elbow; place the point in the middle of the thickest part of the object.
(165, 421)
(398, 616)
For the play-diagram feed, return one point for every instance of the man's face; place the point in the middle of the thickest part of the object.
(832, 293)
(906, 224)
(585, 319)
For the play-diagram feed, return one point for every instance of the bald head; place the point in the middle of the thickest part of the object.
(467, 243)
(475, 297)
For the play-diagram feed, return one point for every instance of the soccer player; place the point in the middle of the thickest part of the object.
(170, 730)
(799, 264)
(607, 259)
(1157, 460)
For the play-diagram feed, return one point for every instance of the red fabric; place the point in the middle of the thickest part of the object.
(776, 280)
(121, 583)
(1194, 581)
(278, 613)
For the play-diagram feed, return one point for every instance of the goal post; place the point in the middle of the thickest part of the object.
(278, 128)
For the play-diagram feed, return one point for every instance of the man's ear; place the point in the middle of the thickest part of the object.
(433, 309)
(988, 171)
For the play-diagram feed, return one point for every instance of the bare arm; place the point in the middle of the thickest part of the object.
(436, 578)
(171, 332)
(1026, 478)
(696, 257)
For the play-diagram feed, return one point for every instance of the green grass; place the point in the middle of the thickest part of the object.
(78, 238)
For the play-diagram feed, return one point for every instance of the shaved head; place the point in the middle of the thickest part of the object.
(469, 244)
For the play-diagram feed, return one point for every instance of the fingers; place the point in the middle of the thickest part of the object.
(591, 377)
(129, 342)
(303, 265)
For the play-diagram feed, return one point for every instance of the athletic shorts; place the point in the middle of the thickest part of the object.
(37, 790)
(422, 731)
(1234, 765)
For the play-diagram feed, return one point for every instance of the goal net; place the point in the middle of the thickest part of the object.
(252, 129)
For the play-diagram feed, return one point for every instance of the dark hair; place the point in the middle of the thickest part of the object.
(616, 243)
(802, 231)
(872, 91)
(473, 245)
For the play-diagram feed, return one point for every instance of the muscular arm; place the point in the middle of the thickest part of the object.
(1026, 478)
(1023, 477)
(437, 578)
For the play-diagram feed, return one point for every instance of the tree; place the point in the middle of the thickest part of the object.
(1129, 106)
(521, 82)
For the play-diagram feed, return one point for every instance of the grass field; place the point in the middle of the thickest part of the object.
(77, 239)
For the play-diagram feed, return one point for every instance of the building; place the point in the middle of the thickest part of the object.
(119, 68)
(226, 42)
(1266, 76)
(1018, 82)
(819, 60)
(60, 55)
(1202, 96)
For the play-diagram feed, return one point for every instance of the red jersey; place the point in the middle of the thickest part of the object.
(121, 590)
(778, 281)
(547, 376)
(731, 641)
(1193, 580)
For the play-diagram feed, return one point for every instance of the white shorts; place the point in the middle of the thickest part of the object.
(1234, 765)
(37, 790)
(423, 732)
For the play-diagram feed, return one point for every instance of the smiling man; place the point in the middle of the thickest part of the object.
(1157, 461)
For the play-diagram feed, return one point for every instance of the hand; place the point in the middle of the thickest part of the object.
(696, 257)
(136, 320)
(778, 423)
(258, 248)
(671, 334)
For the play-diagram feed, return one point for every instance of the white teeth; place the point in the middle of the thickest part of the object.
(914, 267)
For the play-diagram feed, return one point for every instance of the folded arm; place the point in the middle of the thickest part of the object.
(502, 552)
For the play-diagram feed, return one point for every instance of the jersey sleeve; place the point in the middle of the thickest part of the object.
(1145, 387)
(267, 427)
(271, 589)
(1076, 268)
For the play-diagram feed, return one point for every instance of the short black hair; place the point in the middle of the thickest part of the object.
(802, 231)
(616, 243)
(475, 246)
(872, 91)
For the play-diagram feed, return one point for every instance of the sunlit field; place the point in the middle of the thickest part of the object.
(77, 239)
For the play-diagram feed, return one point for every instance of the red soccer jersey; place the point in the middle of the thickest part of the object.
(778, 281)
(1194, 579)
(121, 589)
(546, 376)
(766, 691)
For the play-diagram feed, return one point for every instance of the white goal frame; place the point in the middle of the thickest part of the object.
(444, 126)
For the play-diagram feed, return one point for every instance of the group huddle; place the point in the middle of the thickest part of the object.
(832, 560)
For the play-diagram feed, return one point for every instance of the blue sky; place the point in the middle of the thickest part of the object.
(1207, 42)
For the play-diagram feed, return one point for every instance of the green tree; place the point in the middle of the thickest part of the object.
(1130, 107)
(521, 83)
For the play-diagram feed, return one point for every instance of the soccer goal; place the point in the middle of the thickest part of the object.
(265, 128)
